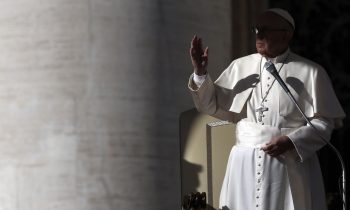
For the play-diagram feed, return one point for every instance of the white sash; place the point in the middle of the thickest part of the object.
(251, 134)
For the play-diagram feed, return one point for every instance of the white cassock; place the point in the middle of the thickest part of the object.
(253, 179)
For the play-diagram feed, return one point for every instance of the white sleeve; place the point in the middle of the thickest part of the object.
(306, 141)
(198, 79)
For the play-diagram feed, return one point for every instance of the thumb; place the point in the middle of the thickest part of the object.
(206, 51)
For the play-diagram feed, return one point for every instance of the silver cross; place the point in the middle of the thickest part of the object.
(261, 111)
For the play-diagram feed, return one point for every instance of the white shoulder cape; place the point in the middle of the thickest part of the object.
(308, 82)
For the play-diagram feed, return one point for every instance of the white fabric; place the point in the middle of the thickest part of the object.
(230, 98)
(198, 79)
(255, 180)
(263, 180)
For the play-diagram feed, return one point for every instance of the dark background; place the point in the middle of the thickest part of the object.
(322, 35)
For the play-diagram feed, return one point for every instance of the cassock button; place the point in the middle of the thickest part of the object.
(258, 189)
(268, 78)
(258, 173)
(259, 156)
(257, 205)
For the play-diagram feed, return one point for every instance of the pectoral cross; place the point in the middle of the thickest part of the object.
(261, 111)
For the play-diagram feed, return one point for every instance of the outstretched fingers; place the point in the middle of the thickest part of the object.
(192, 50)
(195, 50)
(199, 56)
(199, 46)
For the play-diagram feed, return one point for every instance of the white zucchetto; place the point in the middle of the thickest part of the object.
(284, 14)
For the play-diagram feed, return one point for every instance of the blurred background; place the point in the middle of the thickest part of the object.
(91, 92)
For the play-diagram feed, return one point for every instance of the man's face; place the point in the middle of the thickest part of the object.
(273, 35)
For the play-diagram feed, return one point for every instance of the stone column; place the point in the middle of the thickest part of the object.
(90, 95)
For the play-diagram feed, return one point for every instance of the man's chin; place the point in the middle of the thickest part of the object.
(261, 51)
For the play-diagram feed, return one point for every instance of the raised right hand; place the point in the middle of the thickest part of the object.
(198, 56)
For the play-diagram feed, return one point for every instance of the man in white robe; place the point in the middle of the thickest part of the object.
(273, 165)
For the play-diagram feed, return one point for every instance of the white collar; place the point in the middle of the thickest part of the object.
(278, 59)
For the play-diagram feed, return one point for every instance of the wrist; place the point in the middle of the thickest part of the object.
(200, 72)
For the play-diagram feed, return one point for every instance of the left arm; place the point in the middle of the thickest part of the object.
(304, 140)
